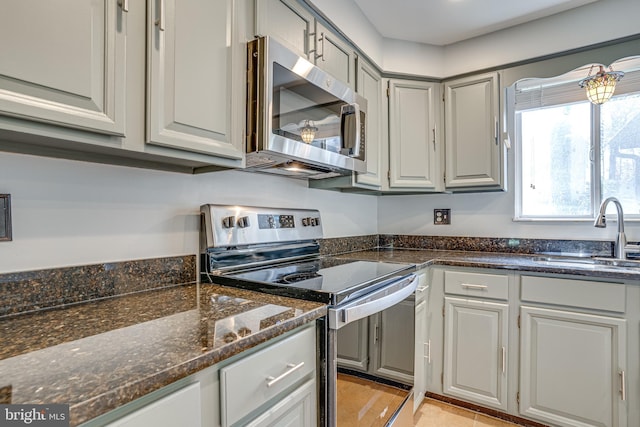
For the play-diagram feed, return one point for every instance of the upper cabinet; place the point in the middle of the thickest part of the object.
(414, 148)
(76, 82)
(296, 27)
(474, 153)
(193, 97)
(371, 86)
(64, 63)
(335, 56)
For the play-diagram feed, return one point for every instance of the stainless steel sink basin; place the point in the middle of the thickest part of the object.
(596, 263)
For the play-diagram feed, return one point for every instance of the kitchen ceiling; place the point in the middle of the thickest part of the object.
(443, 22)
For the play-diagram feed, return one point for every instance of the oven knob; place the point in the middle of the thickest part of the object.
(228, 222)
(305, 222)
(315, 221)
(243, 222)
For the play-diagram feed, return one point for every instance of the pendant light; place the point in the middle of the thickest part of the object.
(308, 132)
(600, 86)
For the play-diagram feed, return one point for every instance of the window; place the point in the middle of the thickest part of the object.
(573, 154)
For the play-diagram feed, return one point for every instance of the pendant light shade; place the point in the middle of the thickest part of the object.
(600, 86)
(308, 132)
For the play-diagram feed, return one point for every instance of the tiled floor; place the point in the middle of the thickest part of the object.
(434, 413)
(363, 403)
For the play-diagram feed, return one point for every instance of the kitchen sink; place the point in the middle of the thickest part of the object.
(595, 263)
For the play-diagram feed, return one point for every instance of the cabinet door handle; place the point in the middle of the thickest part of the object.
(504, 360)
(124, 5)
(321, 56)
(428, 355)
(292, 368)
(497, 131)
(470, 286)
(434, 138)
(160, 21)
(623, 386)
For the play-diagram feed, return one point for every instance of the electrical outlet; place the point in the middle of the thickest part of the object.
(5, 217)
(442, 216)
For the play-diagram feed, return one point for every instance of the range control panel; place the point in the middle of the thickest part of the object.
(225, 225)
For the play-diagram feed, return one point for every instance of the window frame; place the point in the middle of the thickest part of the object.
(595, 191)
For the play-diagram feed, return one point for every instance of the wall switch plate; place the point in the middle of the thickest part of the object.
(5, 217)
(442, 216)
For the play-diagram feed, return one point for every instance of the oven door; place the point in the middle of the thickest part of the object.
(392, 292)
(387, 295)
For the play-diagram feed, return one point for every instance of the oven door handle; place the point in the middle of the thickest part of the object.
(374, 302)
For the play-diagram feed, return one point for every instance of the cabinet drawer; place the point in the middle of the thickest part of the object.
(256, 379)
(574, 293)
(481, 285)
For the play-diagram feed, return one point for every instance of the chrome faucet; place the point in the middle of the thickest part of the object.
(621, 248)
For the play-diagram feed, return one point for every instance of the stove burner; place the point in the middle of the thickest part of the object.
(298, 277)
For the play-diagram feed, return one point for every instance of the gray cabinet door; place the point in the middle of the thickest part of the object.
(475, 351)
(179, 408)
(474, 150)
(393, 342)
(335, 56)
(413, 145)
(298, 409)
(422, 344)
(353, 345)
(64, 63)
(289, 22)
(370, 86)
(572, 368)
(195, 102)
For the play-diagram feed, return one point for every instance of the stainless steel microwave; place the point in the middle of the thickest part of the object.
(301, 121)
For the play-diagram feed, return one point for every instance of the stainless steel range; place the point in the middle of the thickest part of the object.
(276, 251)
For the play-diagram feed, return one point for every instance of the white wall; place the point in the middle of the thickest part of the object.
(593, 23)
(72, 213)
(596, 22)
(485, 215)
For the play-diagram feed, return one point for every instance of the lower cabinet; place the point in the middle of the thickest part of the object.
(476, 340)
(252, 385)
(274, 385)
(180, 408)
(475, 351)
(296, 409)
(558, 350)
(572, 368)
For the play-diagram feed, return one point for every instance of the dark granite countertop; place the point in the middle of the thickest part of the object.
(508, 261)
(99, 355)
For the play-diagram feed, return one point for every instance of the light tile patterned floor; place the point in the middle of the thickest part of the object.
(363, 403)
(433, 413)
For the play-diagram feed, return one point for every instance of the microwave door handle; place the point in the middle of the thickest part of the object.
(356, 143)
(353, 145)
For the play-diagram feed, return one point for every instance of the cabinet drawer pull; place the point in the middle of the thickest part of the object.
(623, 387)
(292, 368)
(470, 286)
